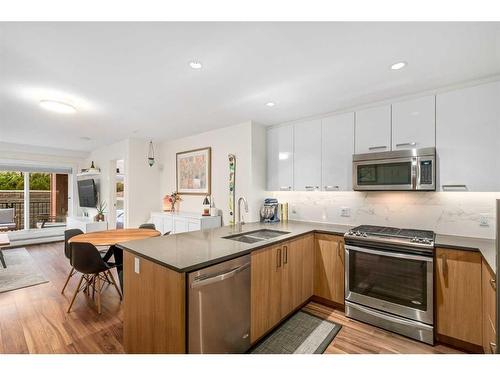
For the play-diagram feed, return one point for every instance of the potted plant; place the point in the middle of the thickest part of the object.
(101, 206)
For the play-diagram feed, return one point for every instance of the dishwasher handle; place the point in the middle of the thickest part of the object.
(219, 277)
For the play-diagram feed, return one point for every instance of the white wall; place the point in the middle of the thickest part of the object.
(141, 181)
(142, 187)
(455, 213)
(250, 166)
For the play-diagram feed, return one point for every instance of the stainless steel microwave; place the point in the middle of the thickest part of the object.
(413, 169)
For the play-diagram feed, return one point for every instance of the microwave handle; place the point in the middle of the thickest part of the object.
(415, 173)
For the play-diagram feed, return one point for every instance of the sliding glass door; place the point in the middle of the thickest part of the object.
(11, 200)
(31, 199)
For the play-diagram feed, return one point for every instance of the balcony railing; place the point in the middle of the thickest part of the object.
(39, 207)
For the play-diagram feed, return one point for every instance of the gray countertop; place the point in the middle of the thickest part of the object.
(186, 252)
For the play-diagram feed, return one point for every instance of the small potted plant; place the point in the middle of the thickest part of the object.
(101, 206)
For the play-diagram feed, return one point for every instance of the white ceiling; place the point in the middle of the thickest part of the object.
(133, 79)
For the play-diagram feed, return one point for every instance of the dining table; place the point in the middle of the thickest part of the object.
(110, 238)
(4, 241)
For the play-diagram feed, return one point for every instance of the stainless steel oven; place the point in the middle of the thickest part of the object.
(390, 285)
(413, 169)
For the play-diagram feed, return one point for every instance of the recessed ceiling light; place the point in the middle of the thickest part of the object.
(85, 138)
(57, 106)
(398, 65)
(195, 64)
(270, 104)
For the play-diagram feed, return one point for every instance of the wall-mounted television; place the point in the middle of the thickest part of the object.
(87, 193)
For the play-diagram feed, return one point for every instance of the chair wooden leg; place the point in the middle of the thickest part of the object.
(76, 292)
(97, 281)
(115, 285)
(93, 286)
(71, 273)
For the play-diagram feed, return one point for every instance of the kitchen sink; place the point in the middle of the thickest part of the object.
(256, 235)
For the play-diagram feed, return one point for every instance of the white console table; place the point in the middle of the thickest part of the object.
(85, 224)
(180, 222)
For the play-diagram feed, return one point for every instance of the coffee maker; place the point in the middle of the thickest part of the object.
(269, 212)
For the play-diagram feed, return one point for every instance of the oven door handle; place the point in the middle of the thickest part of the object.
(389, 254)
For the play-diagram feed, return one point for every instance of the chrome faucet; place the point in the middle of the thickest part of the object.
(241, 222)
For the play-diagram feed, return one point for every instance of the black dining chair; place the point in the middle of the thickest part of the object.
(69, 233)
(147, 226)
(87, 260)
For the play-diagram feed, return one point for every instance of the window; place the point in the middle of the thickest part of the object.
(31, 198)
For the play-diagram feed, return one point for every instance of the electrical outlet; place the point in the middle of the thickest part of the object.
(483, 220)
(345, 212)
(136, 265)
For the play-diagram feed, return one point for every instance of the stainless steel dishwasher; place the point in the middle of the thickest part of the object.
(219, 308)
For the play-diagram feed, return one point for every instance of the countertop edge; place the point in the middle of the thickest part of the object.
(439, 244)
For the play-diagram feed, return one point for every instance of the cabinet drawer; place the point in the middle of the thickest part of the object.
(193, 225)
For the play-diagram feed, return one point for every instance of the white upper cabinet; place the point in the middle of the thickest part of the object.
(468, 138)
(414, 123)
(373, 130)
(337, 148)
(307, 156)
(280, 158)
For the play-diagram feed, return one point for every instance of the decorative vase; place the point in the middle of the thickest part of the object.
(167, 205)
(99, 217)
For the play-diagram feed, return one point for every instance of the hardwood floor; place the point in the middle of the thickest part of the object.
(359, 338)
(34, 319)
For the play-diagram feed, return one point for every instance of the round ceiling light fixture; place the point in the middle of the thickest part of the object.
(57, 106)
(399, 65)
(195, 65)
(270, 104)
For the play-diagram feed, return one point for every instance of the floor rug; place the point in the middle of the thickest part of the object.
(21, 270)
(302, 333)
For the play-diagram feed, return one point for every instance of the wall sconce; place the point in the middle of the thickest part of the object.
(151, 154)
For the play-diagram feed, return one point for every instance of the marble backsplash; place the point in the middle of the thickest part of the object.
(454, 213)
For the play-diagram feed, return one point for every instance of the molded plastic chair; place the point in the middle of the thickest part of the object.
(87, 260)
(69, 233)
(147, 226)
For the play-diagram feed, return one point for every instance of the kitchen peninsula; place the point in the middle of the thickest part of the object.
(306, 262)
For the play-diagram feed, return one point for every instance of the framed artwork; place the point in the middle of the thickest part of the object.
(193, 171)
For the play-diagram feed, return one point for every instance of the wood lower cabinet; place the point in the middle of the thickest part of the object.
(154, 308)
(489, 309)
(281, 279)
(329, 257)
(458, 296)
(265, 290)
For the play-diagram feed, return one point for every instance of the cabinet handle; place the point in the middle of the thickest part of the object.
(493, 283)
(339, 253)
(454, 187)
(445, 265)
(285, 254)
(332, 187)
(285, 188)
(310, 187)
(278, 258)
(406, 144)
(493, 347)
(377, 147)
